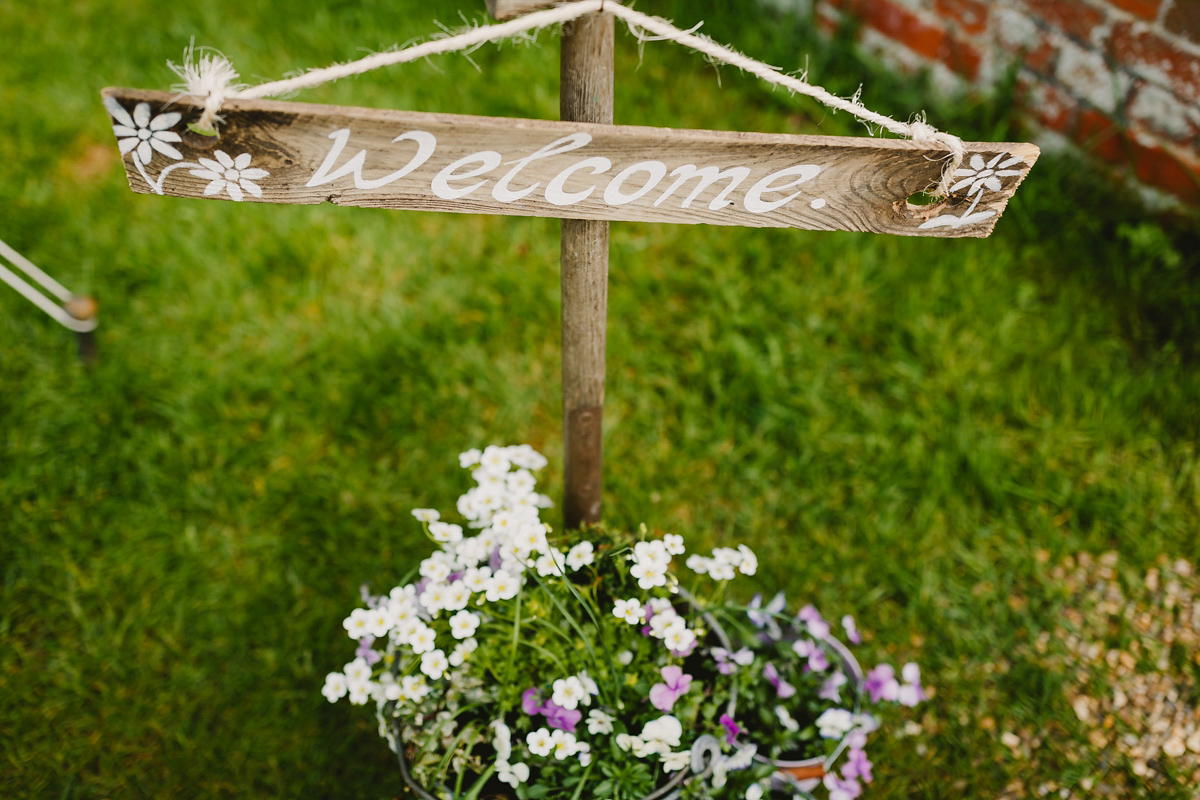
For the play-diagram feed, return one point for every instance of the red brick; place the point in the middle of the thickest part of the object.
(1159, 168)
(1048, 106)
(1146, 9)
(1157, 59)
(1183, 19)
(1100, 136)
(900, 24)
(1069, 16)
(970, 16)
(961, 57)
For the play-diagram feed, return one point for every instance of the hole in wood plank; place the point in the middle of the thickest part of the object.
(919, 205)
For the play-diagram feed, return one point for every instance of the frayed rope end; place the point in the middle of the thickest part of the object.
(925, 134)
(208, 74)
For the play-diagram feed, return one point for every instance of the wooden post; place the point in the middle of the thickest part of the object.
(585, 95)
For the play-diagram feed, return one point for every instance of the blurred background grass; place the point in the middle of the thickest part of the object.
(906, 430)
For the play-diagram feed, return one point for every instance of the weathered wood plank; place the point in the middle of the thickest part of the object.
(280, 152)
(507, 9)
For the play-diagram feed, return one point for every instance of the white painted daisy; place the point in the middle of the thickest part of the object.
(143, 134)
(233, 176)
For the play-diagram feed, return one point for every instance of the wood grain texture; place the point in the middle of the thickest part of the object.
(507, 9)
(585, 95)
(572, 170)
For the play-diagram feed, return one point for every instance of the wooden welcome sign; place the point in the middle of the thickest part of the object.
(284, 152)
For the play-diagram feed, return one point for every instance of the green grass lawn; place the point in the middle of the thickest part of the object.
(911, 431)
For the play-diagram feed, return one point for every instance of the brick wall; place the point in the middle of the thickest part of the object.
(1117, 78)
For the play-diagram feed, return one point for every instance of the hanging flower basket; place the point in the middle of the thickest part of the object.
(614, 664)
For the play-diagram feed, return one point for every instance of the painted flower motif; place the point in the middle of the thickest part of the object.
(985, 175)
(231, 175)
(142, 133)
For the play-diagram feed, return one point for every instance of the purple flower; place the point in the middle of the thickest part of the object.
(731, 728)
(782, 688)
(840, 789)
(832, 688)
(664, 695)
(857, 766)
(763, 618)
(817, 660)
(852, 634)
(365, 652)
(882, 684)
(562, 718)
(531, 701)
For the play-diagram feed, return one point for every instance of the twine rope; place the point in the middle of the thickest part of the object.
(213, 77)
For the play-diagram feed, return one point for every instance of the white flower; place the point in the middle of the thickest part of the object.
(512, 774)
(649, 574)
(435, 568)
(568, 693)
(755, 791)
(539, 742)
(358, 624)
(785, 719)
(502, 586)
(494, 460)
(665, 621)
(625, 658)
(426, 514)
(360, 692)
(665, 731)
(445, 532)
(434, 664)
(380, 621)
(749, 564)
(564, 744)
(476, 578)
(520, 483)
(584, 751)
(469, 459)
(549, 563)
(524, 456)
(462, 651)
(414, 688)
(598, 722)
(834, 723)
(335, 688)
(141, 133)
(529, 537)
(463, 624)
(501, 740)
(627, 742)
(697, 564)
(631, 611)
(421, 640)
(457, 596)
(673, 761)
(434, 597)
(654, 552)
(357, 671)
(673, 543)
(230, 175)
(581, 555)
(721, 571)
(679, 639)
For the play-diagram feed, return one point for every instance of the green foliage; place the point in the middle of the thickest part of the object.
(896, 426)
